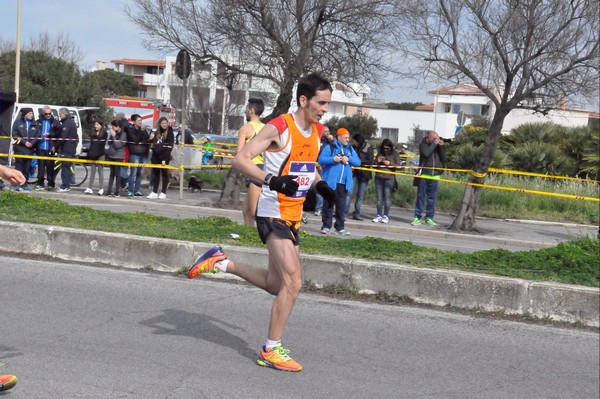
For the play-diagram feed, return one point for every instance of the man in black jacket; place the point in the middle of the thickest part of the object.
(66, 147)
(24, 134)
(432, 156)
(139, 147)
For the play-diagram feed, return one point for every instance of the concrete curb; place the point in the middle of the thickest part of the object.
(557, 302)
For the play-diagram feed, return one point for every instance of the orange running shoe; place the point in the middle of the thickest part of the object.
(278, 358)
(209, 262)
(7, 382)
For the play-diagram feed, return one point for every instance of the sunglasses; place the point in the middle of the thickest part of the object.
(47, 113)
(386, 148)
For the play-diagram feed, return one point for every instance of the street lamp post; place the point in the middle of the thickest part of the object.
(18, 52)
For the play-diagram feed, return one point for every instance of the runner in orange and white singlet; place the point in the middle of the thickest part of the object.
(290, 144)
(297, 156)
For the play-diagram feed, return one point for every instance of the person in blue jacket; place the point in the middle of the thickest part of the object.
(337, 160)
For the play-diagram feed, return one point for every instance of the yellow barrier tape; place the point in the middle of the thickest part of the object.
(520, 190)
(478, 175)
(88, 161)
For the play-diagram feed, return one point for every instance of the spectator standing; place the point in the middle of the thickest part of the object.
(188, 137)
(360, 178)
(384, 182)
(337, 160)
(123, 179)
(162, 144)
(49, 131)
(66, 146)
(404, 155)
(24, 134)
(326, 139)
(139, 147)
(432, 156)
(115, 152)
(208, 151)
(95, 153)
(254, 109)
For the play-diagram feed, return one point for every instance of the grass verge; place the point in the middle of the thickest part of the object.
(574, 262)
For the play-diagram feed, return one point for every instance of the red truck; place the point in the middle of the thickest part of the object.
(143, 107)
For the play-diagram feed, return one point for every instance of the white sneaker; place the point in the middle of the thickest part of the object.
(88, 191)
(385, 219)
(343, 232)
(162, 196)
(101, 191)
(152, 196)
(378, 219)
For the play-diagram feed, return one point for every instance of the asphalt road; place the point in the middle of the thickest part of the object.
(75, 331)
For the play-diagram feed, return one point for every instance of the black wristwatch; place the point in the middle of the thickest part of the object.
(267, 178)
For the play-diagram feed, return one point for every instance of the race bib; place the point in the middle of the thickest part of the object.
(306, 175)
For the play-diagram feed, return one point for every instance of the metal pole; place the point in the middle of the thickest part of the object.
(225, 93)
(18, 52)
(182, 137)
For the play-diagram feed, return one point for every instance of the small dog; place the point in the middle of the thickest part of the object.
(195, 184)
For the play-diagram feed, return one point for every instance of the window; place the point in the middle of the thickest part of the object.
(475, 109)
(389, 133)
(455, 108)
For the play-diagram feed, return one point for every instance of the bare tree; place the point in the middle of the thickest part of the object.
(521, 53)
(278, 41)
(60, 46)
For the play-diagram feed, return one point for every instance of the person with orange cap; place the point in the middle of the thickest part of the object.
(337, 160)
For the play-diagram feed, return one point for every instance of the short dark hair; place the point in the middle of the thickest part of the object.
(257, 105)
(309, 85)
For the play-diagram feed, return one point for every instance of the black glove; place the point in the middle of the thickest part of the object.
(286, 185)
(326, 192)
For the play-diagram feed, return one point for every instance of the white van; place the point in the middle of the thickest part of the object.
(37, 113)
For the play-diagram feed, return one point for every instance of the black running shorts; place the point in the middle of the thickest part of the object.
(282, 228)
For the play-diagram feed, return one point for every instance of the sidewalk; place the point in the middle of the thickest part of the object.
(510, 234)
(559, 302)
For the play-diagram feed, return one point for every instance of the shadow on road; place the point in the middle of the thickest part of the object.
(199, 326)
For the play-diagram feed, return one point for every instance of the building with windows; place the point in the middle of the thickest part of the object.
(216, 101)
(150, 75)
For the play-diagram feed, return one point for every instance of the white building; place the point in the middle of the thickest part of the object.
(453, 105)
(216, 102)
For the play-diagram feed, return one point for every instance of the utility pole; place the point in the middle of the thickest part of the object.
(18, 52)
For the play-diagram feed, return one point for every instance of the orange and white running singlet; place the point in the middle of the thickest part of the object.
(297, 155)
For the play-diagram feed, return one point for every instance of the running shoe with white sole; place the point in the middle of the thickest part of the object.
(208, 262)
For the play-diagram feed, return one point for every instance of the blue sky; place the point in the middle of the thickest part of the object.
(103, 32)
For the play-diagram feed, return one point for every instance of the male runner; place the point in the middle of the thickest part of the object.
(247, 132)
(290, 144)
